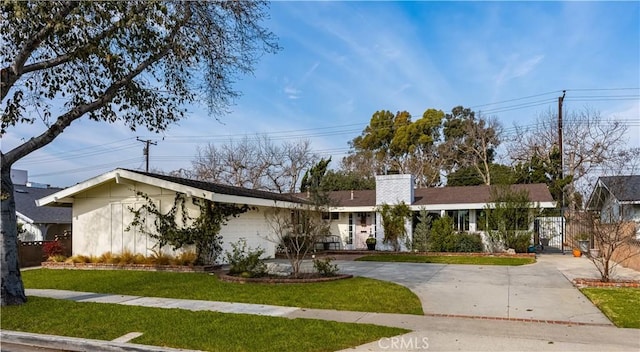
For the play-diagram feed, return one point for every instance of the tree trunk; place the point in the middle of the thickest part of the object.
(12, 288)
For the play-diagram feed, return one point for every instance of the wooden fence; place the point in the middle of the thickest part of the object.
(31, 253)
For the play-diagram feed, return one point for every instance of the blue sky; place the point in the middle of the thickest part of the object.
(342, 61)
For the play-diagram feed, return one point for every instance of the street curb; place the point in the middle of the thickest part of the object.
(78, 344)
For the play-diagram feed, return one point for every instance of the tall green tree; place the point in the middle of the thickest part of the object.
(339, 180)
(470, 141)
(469, 176)
(414, 147)
(378, 136)
(395, 143)
(138, 62)
(542, 168)
(313, 178)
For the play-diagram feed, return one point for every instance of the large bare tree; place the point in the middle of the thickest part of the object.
(470, 141)
(255, 163)
(137, 62)
(592, 146)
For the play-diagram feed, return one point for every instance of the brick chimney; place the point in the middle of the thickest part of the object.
(393, 189)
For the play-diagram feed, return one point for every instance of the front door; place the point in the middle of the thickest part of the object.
(362, 229)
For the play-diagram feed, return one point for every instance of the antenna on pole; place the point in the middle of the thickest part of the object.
(145, 150)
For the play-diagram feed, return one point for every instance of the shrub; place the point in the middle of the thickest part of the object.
(107, 258)
(139, 258)
(444, 239)
(159, 258)
(79, 259)
(53, 248)
(58, 258)
(469, 242)
(186, 258)
(521, 241)
(441, 239)
(246, 261)
(127, 257)
(324, 267)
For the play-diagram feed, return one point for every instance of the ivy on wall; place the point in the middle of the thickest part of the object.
(177, 229)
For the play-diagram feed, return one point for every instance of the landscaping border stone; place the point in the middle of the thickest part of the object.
(584, 282)
(444, 254)
(138, 267)
(280, 280)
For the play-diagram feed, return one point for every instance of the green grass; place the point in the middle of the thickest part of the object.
(456, 259)
(620, 304)
(356, 294)
(176, 328)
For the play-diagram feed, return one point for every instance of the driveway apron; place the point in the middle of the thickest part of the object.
(531, 292)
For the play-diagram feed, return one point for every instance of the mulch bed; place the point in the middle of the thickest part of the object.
(309, 278)
(582, 282)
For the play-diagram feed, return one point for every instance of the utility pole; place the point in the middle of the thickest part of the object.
(145, 150)
(561, 173)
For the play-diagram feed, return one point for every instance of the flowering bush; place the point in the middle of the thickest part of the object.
(52, 249)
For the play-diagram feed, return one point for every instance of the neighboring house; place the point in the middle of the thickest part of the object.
(101, 208)
(39, 223)
(617, 198)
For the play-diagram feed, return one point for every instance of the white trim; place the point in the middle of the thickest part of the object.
(364, 208)
(24, 217)
(120, 175)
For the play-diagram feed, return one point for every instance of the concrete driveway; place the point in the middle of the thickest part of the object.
(536, 292)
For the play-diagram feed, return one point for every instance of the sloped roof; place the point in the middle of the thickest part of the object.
(26, 197)
(538, 193)
(625, 189)
(200, 189)
(222, 189)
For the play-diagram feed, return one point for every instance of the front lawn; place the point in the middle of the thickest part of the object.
(356, 294)
(176, 328)
(454, 259)
(620, 304)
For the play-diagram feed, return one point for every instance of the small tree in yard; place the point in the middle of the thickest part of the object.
(422, 232)
(507, 222)
(296, 230)
(393, 221)
(615, 242)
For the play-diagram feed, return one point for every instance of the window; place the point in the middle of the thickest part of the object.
(460, 219)
(330, 216)
(515, 219)
(350, 239)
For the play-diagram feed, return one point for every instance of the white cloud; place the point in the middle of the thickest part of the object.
(292, 93)
(517, 68)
